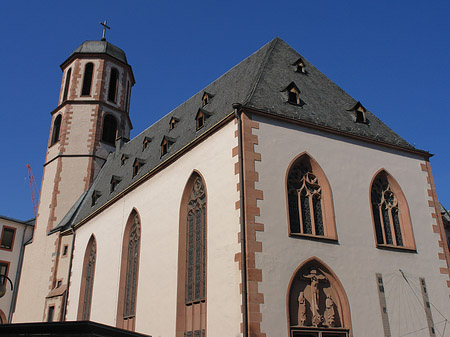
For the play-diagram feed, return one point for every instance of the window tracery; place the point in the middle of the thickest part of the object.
(390, 213)
(191, 293)
(126, 311)
(88, 280)
(129, 310)
(196, 247)
(309, 200)
(305, 200)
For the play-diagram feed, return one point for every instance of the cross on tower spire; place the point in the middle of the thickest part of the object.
(104, 30)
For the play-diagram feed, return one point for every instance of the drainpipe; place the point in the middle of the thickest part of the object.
(12, 307)
(66, 298)
(237, 113)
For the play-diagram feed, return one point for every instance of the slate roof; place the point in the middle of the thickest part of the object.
(101, 47)
(257, 82)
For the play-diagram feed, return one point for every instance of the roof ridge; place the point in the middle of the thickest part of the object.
(263, 65)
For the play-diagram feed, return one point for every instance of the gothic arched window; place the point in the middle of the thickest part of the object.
(191, 311)
(87, 281)
(310, 205)
(126, 312)
(109, 129)
(87, 79)
(113, 84)
(67, 84)
(56, 130)
(390, 213)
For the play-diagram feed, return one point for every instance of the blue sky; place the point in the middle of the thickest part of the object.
(393, 56)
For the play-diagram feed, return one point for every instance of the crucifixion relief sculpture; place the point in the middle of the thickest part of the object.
(315, 278)
(316, 305)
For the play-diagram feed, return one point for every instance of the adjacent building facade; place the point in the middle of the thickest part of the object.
(14, 235)
(271, 203)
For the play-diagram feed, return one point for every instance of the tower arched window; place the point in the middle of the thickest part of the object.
(87, 79)
(67, 84)
(191, 310)
(113, 85)
(126, 311)
(310, 204)
(390, 212)
(109, 129)
(56, 130)
(87, 281)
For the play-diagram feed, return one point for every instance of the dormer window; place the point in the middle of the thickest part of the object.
(200, 120)
(173, 122)
(164, 147)
(293, 94)
(299, 66)
(138, 163)
(95, 196)
(146, 142)
(360, 113)
(115, 180)
(206, 98)
(123, 159)
(166, 143)
(201, 117)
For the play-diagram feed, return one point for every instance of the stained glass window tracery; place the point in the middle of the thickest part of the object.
(196, 243)
(129, 309)
(385, 208)
(304, 200)
(89, 281)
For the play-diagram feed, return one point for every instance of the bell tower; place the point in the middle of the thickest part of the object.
(92, 112)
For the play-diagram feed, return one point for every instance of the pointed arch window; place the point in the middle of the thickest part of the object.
(56, 130)
(126, 313)
(109, 132)
(67, 84)
(310, 204)
(87, 281)
(390, 213)
(87, 79)
(113, 85)
(191, 310)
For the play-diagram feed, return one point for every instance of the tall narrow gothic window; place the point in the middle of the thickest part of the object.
(113, 84)
(310, 206)
(87, 79)
(87, 281)
(109, 129)
(56, 129)
(67, 84)
(390, 213)
(192, 260)
(126, 313)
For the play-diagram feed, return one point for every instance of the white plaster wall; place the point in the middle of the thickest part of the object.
(349, 166)
(158, 203)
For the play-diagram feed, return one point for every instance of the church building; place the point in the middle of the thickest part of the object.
(269, 204)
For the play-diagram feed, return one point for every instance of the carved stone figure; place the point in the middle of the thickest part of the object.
(315, 279)
(329, 312)
(301, 309)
